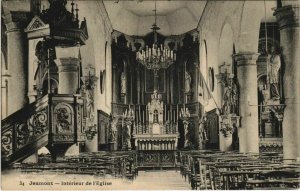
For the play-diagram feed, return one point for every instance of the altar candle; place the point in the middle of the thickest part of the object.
(140, 113)
(177, 112)
(165, 107)
(170, 113)
(174, 112)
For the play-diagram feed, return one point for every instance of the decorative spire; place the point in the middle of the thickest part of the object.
(77, 20)
(72, 9)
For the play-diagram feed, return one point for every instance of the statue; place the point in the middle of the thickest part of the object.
(188, 80)
(274, 65)
(155, 116)
(128, 134)
(230, 97)
(113, 130)
(89, 103)
(234, 95)
(123, 83)
(202, 129)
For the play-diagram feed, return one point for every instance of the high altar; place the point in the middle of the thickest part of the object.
(160, 132)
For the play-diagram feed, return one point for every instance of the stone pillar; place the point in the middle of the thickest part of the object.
(288, 19)
(115, 85)
(16, 60)
(247, 80)
(68, 67)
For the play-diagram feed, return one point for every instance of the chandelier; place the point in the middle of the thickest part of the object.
(157, 56)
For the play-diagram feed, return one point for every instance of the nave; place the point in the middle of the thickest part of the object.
(192, 170)
(203, 92)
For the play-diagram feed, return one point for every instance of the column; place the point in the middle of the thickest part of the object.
(288, 19)
(16, 60)
(247, 80)
(68, 65)
(115, 85)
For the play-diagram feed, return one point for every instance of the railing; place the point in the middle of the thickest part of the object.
(24, 129)
(51, 119)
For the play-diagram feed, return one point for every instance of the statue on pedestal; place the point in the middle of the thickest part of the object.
(203, 129)
(128, 134)
(230, 97)
(113, 130)
(188, 80)
(89, 103)
(123, 83)
(274, 65)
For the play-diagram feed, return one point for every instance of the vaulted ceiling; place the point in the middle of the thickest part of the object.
(136, 17)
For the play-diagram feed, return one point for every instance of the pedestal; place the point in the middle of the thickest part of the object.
(268, 129)
(226, 143)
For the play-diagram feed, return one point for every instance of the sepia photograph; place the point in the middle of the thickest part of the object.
(150, 95)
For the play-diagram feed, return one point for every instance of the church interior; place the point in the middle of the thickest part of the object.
(204, 92)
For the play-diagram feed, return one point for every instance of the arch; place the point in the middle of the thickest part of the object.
(251, 16)
(203, 59)
(226, 43)
(228, 23)
(53, 86)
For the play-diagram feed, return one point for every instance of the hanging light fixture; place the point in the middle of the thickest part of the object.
(157, 56)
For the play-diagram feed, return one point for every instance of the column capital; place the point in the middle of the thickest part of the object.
(287, 16)
(15, 20)
(246, 58)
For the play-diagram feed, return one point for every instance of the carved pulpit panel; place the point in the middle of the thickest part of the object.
(64, 119)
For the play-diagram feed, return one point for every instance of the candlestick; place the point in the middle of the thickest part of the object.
(174, 112)
(165, 117)
(171, 114)
(177, 110)
(140, 114)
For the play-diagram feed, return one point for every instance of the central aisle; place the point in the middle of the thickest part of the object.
(160, 179)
